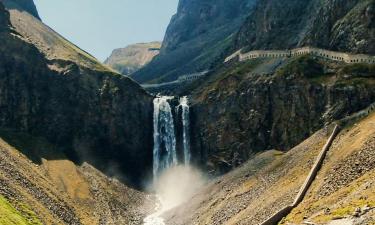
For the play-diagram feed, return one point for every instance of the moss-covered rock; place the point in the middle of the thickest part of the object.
(10, 215)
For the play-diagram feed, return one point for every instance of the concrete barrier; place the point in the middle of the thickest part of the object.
(357, 116)
(322, 53)
(181, 79)
(314, 171)
(278, 216)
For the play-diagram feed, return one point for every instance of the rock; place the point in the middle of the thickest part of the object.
(280, 24)
(133, 57)
(22, 5)
(290, 111)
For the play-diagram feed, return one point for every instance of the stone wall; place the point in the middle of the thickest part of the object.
(181, 79)
(326, 54)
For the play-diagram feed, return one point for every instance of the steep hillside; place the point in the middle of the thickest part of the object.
(195, 37)
(87, 111)
(133, 57)
(51, 44)
(22, 5)
(249, 195)
(344, 25)
(59, 192)
(251, 106)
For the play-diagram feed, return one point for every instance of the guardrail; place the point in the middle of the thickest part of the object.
(181, 79)
(323, 53)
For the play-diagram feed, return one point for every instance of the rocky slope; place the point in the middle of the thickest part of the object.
(59, 192)
(195, 37)
(22, 5)
(52, 89)
(133, 57)
(343, 25)
(252, 106)
(342, 192)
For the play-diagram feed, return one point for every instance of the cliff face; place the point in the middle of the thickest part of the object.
(22, 5)
(133, 57)
(241, 112)
(90, 113)
(195, 37)
(343, 25)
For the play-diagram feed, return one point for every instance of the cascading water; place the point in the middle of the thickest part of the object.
(186, 128)
(164, 151)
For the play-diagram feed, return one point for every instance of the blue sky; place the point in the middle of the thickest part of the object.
(99, 26)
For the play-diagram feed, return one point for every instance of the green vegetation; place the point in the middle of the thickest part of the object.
(356, 82)
(304, 66)
(359, 70)
(238, 70)
(11, 216)
(344, 211)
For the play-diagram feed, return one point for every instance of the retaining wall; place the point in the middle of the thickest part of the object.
(326, 54)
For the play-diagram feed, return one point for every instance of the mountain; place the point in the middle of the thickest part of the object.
(52, 89)
(22, 5)
(242, 108)
(196, 36)
(341, 25)
(133, 57)
(203, 33)
(51, 44)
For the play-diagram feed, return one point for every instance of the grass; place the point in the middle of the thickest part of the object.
(11, 216)
(343, 211)
(359, 70)
(356, 82)
(304, 66)
(239, 70)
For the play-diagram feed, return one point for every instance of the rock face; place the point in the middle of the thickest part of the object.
(90, 113)
(343, 25)
(133, 57)
(22, 5)
(195, 37)
(239, 113)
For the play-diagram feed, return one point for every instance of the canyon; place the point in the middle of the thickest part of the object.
(224, 142)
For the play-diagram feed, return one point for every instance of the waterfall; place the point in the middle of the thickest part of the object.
(165, 148)
(186, 128)
(164, 152)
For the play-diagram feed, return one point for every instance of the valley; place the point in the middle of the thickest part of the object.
(248, 113)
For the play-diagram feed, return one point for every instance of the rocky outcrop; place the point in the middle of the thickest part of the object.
(239, 113)
(133, 57)
(196, 36)
(22, 5)
(89, 113)
(339, 25)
